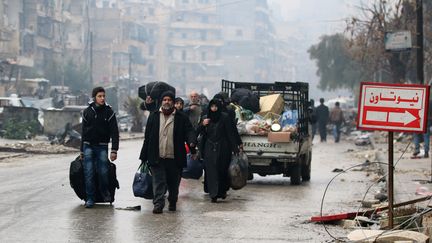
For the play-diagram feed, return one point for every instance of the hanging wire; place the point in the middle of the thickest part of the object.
(350, 168)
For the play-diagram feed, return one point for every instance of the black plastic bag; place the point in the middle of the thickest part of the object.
(194, 168)
(246, 99)
(238, 171)
(143, 182)
(154, 90)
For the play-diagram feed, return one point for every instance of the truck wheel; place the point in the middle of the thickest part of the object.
(250, 176)
(306, 167)
(295, 175)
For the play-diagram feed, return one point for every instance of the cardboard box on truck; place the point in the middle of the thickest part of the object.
(271, 103)
(279, 137)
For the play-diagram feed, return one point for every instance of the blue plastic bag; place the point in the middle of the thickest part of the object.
(194, 169)
(289, 118)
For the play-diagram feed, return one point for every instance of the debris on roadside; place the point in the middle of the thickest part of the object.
(36, 148)
(362, 140)
(362, 235)
(131, 208)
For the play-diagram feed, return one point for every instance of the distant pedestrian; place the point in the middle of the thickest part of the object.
(98, 128)
(322, 117)
(218, 144)
(417, 137)
(164, 150)
(337, 118)
(313, 117)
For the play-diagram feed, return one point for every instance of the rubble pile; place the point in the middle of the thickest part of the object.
(37, 148)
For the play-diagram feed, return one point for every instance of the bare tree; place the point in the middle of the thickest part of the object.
(367, 33)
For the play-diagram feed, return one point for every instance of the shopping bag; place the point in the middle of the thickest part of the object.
(143, 185)
(238, 171)
(194, 168)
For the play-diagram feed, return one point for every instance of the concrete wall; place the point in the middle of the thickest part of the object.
(55, 120)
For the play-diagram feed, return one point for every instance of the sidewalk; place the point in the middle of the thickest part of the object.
(10, 148)
(411, 174)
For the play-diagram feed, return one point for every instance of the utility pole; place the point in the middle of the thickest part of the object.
(130, 74)
(420, 45)
(91, 58)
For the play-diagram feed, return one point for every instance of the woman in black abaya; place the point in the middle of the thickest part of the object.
(218, 144)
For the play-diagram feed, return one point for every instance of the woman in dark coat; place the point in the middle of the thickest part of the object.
(218, 144)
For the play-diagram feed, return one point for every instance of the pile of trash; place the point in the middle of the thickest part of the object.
(274, 119)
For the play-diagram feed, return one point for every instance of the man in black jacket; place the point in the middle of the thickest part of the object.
(322, 112)
(99, 126)
(164, 150)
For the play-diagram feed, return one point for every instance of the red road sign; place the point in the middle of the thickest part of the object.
(393, 107)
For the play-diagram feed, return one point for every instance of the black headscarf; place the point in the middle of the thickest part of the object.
(214, 116)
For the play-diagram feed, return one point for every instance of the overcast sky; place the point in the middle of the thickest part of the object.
(317, 16)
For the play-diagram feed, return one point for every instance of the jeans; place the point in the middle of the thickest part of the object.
(96, 168)
(166, 176)
(426, 139)
(337, 131)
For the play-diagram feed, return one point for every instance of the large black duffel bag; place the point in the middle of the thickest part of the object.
(76, 179)
(246, 99)
(154, 90)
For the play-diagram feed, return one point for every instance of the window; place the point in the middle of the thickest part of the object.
(184, 55)
(203, 56)
(151, 50)
(239, 32)
(151, 11)
(204, 19)
(203, 35)
(184, 35)
(151, 69)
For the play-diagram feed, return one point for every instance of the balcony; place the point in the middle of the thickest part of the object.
(196, 25)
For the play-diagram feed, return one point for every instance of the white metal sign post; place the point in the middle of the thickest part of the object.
(393, 107)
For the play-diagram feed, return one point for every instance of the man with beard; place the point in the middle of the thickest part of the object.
(194, 110)
(163, 150)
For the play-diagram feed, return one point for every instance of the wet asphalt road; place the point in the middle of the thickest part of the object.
(38, 205)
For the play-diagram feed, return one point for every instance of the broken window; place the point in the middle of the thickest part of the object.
(45, 27)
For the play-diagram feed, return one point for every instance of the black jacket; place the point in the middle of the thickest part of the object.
(183, 133)
(99, 125)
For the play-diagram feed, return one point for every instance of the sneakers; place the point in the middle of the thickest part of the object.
(89, 204)
(157, 209)
(214, 200)
(426, 155)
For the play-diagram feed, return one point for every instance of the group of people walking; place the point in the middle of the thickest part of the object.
(324, 116)
(171, 127)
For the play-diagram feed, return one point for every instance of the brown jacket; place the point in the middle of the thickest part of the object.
(336, 115)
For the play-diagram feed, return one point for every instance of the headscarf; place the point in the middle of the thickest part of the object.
(214, 115)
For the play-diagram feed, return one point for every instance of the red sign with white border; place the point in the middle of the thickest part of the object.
(393, 107)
